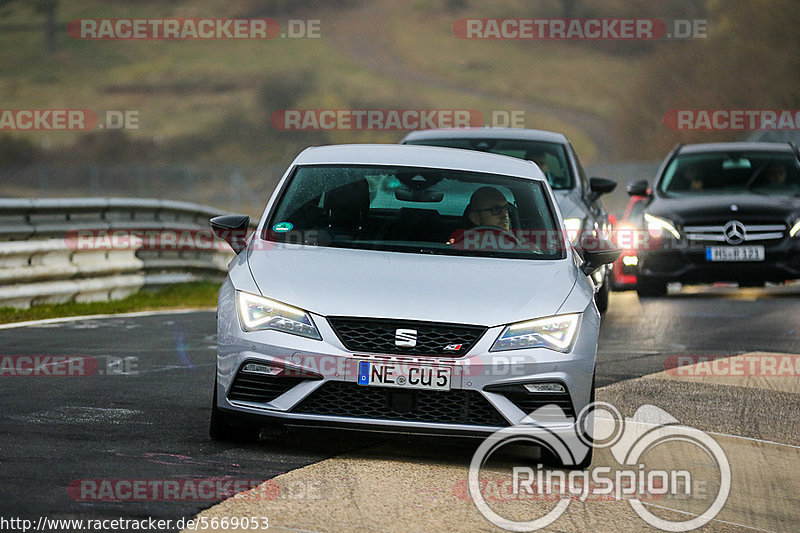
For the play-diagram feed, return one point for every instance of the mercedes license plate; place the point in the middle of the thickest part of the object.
(735, 253)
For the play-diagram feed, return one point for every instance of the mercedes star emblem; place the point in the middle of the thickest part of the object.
(734, 232)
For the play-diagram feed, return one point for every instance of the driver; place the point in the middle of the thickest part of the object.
(489, 207)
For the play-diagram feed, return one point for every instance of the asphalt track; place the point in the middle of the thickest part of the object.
(143, 415)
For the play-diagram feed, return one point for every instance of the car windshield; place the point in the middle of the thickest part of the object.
(415, 210)
(551, 157)
(732, 172)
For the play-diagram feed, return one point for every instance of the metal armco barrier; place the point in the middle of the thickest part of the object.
(40, 261)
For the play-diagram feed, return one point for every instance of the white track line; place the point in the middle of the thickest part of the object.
(110, 315)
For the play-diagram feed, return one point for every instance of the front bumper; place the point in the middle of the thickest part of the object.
(319, 384)
(686, 262)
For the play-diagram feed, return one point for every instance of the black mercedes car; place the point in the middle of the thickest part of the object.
(726, 212)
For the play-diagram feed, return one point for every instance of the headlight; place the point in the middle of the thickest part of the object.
(795, 229)
(573, 226)
(626, 236)
(259, 313)
(556, 332)
(655, 225)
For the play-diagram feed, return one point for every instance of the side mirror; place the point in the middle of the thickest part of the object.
(232, 229)
(601, 186)
(596, 253)
(639, 188)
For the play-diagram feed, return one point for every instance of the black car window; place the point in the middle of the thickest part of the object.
(732, 172)
(412, 210)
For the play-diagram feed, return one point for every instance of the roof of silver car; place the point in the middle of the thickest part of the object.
(735, 146)
(418, 156)
(486, 133)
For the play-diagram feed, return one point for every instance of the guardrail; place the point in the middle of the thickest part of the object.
(58, 250)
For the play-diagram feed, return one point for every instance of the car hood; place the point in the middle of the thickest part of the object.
(701, 208)
(569, 203)
(468, 290)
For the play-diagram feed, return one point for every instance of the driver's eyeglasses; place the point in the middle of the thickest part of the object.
(497, 210)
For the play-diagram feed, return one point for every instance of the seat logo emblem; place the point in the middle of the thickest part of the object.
(405, 338)
(734, 232)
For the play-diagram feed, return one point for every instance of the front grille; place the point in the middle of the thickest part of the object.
(260, 388)
(373, 335)
(753, 232)
(337, 398)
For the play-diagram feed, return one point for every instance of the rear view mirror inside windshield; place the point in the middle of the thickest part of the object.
(405, 195)
(739, 162)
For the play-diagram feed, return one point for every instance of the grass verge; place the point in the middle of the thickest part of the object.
(179, 296)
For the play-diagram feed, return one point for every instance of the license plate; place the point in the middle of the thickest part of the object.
(735, 253)
(404, 376)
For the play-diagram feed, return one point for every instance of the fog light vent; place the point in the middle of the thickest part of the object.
(258, 368)
(545, 387)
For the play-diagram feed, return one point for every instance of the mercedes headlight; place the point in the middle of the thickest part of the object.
(573, 226)
(555, 332)
(795, 231)
(259, 313)
(657, 225)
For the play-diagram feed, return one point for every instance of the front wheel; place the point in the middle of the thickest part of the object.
(221, 429)
(601, 297)
(550, 458)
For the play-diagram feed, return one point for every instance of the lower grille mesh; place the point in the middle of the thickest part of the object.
(337, 398)
(260, 388)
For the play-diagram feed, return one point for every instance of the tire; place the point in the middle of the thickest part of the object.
(587, 461)
(221, 430)
(601, 297)
(650, 288)
(549, 458)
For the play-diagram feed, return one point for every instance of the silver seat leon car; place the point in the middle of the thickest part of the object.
(407, 289)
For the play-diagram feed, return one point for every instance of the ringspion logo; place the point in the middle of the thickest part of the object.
(637, 479)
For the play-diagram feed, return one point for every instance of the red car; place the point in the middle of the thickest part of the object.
(626, 235)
